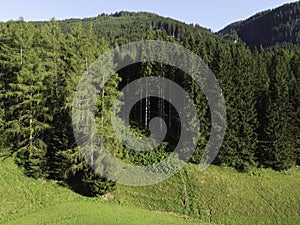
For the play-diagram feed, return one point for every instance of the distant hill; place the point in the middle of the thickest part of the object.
(279, 26)
(126, 26)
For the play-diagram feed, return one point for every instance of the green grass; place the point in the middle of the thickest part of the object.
(216, 196)
(223, 196)
(95, 213)
(27, 201)
(19, 193)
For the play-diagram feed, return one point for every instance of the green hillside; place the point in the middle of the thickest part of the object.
(127, 26)
(269, 28)
(223, 195)
(99, 213)
(217, 196)
(20, 193)
(27, 201)
(256, 175)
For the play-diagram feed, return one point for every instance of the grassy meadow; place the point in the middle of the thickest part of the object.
(219, 195)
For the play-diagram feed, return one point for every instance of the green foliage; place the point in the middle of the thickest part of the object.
(28, 116)
(42, 63)
(278, 27)
(279, 145)
(235, 68)
(37, 87)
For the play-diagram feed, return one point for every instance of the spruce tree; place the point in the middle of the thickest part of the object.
(240, 141)
(295, 100)
(77, 167)
(279, 144)
(51, 43)
(29, 115)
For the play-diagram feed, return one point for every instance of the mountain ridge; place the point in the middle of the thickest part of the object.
(279, 26)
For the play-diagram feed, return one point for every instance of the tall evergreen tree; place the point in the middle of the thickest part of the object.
(51, 40)
(279, 145)
(295, 100)
(240, 141)
(29, 115)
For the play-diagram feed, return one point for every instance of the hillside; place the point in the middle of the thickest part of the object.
(27, 201)
(255, 178)
(126, 26)
(223, 196)
(218, 195)
(269, 28)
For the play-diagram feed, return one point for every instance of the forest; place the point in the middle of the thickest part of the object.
(41, 64)
(279, 26)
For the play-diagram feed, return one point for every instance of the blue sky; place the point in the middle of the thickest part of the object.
(214, 14)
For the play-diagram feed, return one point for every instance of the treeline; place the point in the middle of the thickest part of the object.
(40, 67)
(122, 26)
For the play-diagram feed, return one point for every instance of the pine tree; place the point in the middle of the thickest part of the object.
(51, 43)
(78, 166)
(240, 141)
(29, 115)
(279, 145)
(6, 74)
(295, 100)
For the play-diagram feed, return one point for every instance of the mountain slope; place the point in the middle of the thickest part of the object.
(27, 201)
(217, 195)
(125, 26)
(222, 195)
(268, 28)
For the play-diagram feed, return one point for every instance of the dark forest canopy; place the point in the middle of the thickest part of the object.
(280, 26)
(41, 64)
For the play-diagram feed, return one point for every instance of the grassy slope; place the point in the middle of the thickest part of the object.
(218, 195)
(96, 213)
(222, 195)
(27, 201)
(18, 193)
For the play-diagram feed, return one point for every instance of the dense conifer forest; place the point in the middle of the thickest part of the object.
(41, 64)
(279, 26)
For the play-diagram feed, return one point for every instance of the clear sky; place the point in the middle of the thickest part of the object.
(213, 14)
